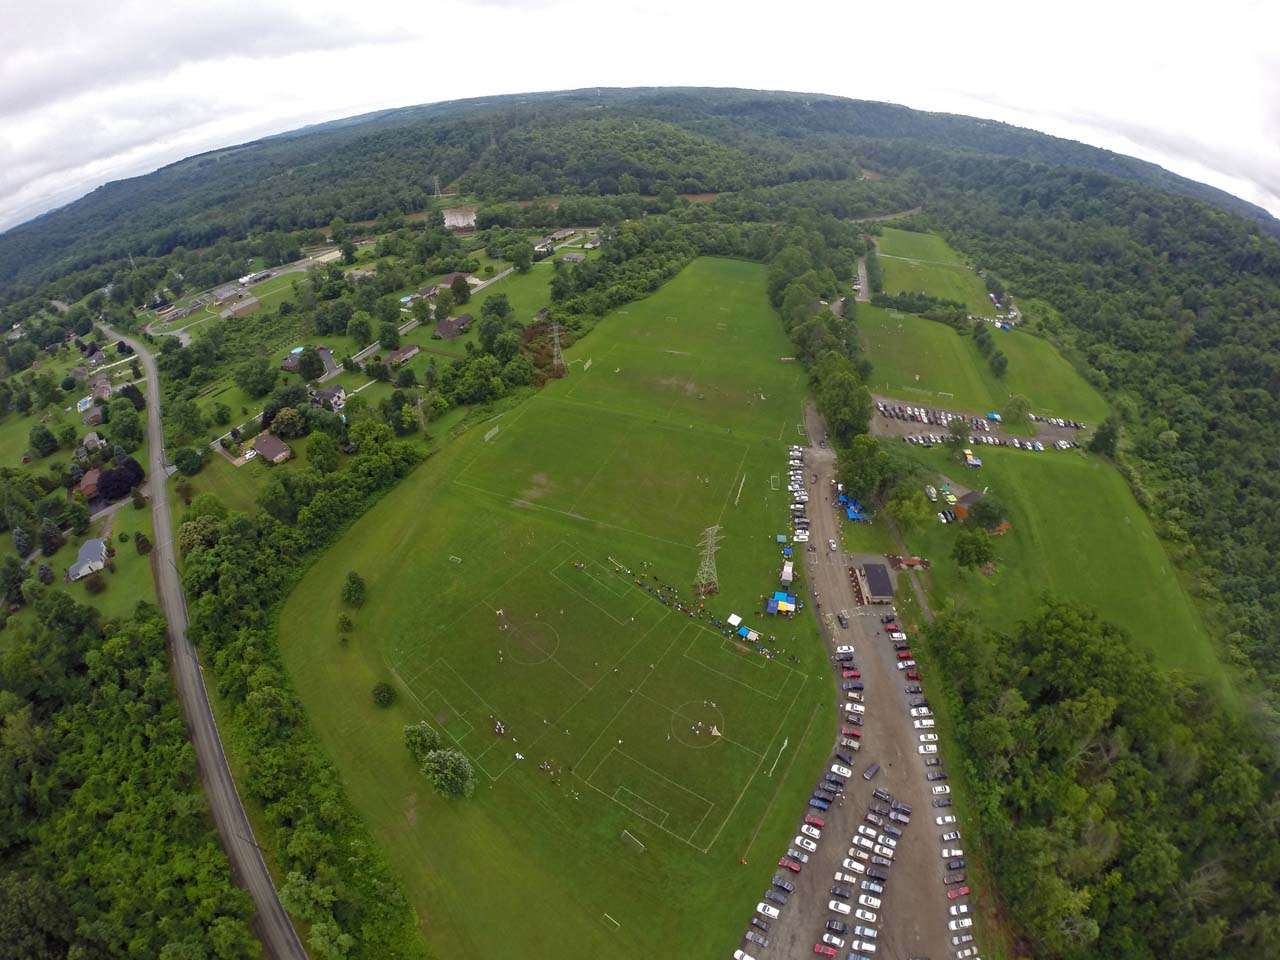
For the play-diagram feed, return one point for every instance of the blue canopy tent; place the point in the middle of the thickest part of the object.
(786, 551)
(771, 606)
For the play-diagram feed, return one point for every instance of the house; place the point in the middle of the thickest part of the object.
(291, 362)
(574, 257)
(333, 398)
(447, 279)
(101, 389)
(93, 416)
(450, 327)
(97, 358)
(407, 352)
(92, 441)
(78, 373)
(271, 447)
(89, 484)
(91, 558)
(592, 243)
(563, 234)
(427, 291)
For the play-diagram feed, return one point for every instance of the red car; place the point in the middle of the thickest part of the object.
(905, 655)
(852, 674)
(789, 864)
(824, 950)
(913, 674)
(814, 821)
(958, 892)
(892, 628)
(850, 732)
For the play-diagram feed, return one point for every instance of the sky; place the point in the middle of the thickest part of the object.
(92, 92)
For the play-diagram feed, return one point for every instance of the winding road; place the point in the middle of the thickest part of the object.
(271, 923)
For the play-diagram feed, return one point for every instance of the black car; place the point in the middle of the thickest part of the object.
(951, 878)
(913, 688)
(888, 618)
(844, 621)
(825, 795)
(844, 893)
(857, 685)
(835, 926)
(882, 794)
(844, 657)
(847, 685)
(871, 771)
(936, 775)
(760, 924)
(756, 938)
(779, 898)
(784, 885)
(836, 783)
(956, 864)
(901, 645)
(880, 861)
(933, 761)
(899, 805)
(919, 702)
(853, 718)
(844, 758)
(942, 801)
(876, 873)
(880, 808)
(892, 830)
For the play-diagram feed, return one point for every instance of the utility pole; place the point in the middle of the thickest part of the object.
(557, 359)
(707, 582)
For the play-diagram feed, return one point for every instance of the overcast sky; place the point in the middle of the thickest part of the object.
(92, 92)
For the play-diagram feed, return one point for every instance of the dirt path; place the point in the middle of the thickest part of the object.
(886, 216)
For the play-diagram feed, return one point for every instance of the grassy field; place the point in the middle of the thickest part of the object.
(914, 262)
(503, 586)
(928, 362)
(1078, 533)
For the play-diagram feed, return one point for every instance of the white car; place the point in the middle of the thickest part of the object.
(943, 821)
(840, 771)
(742, 955)
(950, 836)
(926, 723)
(927, 748)
(848, 744)
(866, 831)
(897, 635)
(866, 915)
(767, 911)
(950, 852)
(855, 696)
(920, 712)
(906, 664)
(838, 906)
(941, 790)
(961, 923)
(928, 738)
(811, 831)
(805, 844)
(959, 909)
(888, 841)
(800, 537)
(831, 940)
(963, 938)
(832, 545)
(966, 953)
(250, 454)
(862, 946)
(864, 843)
(844, 648)
(869, 901)
(854, 708)
(854, 865)
(857, 866)
(886, 852)
(869, 932)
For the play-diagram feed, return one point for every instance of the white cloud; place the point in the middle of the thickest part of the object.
(91, 92)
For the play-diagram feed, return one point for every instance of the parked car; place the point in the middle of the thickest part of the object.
(893, 830)
(843, 893)
(951, 878)
(874, 818)
(840, 771)
(786, 886)
(944, 820)
(928, 738)
(865, 915)
(870, 933)
(742, 955)
(956, 864)
(913, 688)
(776, 896)
(861, 948)
(809, 830)
(959, 909)
(757, 938)
(950, 852)
(788, 863)
(899, 816)
(936, 775)
(849, 863)
(942, 801)
(913, 674)
(797, 855)
(941, 790)
(933, 762)
(771, 913)
(920, 712)
(837, 926)
(844, 648)
(872, 887)
(832, 940)
(823, 950)
(813, 821)
(804, 843)
(958, 892)
(927, 748)
(962, 923)
(839, 906)
(878, 874)
(925, 723)
(950, 835)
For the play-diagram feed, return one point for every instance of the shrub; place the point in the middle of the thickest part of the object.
(188, 460)
(344, 623)
(95, 583)
(353, 591)
(384, 694)
(142, 544)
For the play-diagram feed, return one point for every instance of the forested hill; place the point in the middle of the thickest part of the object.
(591, 142)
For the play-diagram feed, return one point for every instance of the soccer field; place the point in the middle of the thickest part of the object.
(526, 588)
(923, 262)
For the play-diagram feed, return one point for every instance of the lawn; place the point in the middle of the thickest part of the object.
(921, 360)
(915, 262)
(505, 585)
(1077, 533)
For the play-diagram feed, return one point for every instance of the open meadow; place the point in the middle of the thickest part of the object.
(923, 262)
(927, 362)
(533, 574)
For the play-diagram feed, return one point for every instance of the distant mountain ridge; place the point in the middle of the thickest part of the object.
(516, 146)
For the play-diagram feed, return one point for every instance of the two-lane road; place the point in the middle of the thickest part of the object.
(271, 923)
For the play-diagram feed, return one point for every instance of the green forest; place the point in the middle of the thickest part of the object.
(1128, 813)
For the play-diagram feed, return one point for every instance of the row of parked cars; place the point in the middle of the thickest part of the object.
(920, 713)
(1057, 422)
(901, 411)
(858, 892)
(799, 493)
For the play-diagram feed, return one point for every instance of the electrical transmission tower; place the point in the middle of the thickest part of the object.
(437, 183)
(557, 360)
(707, 582)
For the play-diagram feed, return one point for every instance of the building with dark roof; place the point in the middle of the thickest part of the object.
(451, 327)
(879, 585)
(272, 448)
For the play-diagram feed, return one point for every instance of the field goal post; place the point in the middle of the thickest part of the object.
(629, 837)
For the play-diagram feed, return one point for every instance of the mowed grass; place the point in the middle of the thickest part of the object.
(503, 586)
(917, 246)
(1077, 533)
(923, 262)
(925, 361)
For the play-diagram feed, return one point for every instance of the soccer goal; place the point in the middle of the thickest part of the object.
(491, 434)
(629, 837)
(586, 366)
(773, 483)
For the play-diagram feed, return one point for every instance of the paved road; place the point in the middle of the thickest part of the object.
(913, 916)
(864, 288)
(271, 923)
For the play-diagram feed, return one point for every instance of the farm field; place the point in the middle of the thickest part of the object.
(915, 262)
(503, 587)
(928, 362)
(1078, 533)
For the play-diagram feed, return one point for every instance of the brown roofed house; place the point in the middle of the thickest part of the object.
(335, 397)
(447, 279)
(272, 448)
(290, 364)
(101, 389)
(574, 257)
(451, 327)
(407, 352)
(93, 416)
(89, 484)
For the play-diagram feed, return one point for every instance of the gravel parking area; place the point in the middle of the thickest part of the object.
(895, 418)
